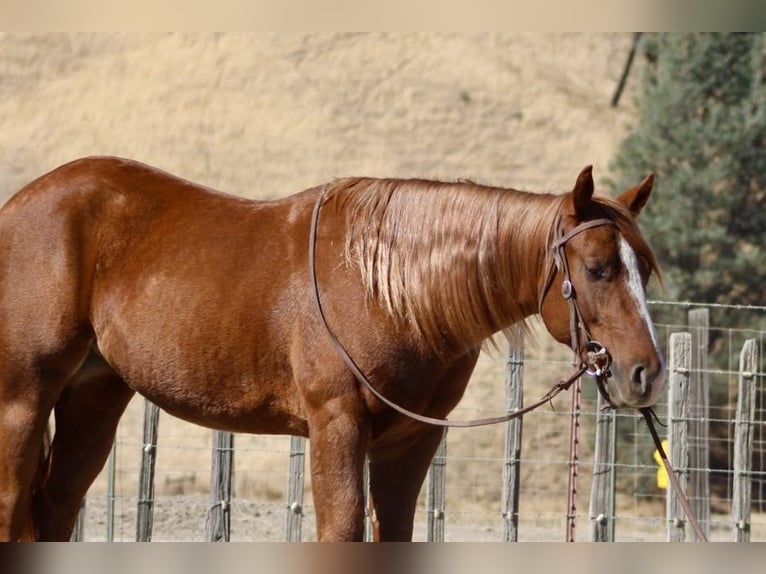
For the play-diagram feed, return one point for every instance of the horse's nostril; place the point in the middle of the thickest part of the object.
(638, 377)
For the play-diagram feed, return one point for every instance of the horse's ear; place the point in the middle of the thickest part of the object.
(583, 191)
(636, 197)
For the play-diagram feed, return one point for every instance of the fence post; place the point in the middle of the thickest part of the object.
(699, 420)
(369, 512)
(678, 392)
(78, 532)
(111, 472)
(295, 483)
(514, 400)
(744, 424)
(218, 523)
(601, 511)
(435, 493)
(145, 516)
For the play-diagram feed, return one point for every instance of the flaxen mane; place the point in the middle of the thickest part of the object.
(450, 258)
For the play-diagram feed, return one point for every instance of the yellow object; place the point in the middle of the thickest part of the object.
(662, 474)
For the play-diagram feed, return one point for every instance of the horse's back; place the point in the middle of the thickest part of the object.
(117, 214)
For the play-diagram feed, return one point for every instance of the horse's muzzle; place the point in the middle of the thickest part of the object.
(639, 386)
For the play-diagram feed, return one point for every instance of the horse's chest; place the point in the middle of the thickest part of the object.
(434, 397)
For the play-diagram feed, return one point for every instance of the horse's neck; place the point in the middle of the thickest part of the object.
(528, 220)
(476, 271)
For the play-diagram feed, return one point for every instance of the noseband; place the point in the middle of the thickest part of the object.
(590, 354)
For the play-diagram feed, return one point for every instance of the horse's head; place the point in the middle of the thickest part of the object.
(595, 289)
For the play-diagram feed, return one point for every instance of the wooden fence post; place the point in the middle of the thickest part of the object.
(435, 492)
(514, 400)
(743, 441)
(145, 517)
(699, 420)
(295, 484)
(369, 517)
(218, 523)
(678, 392)
(601, 511)
(111, 475)
(78, 532)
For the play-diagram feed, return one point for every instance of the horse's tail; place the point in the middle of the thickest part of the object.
(31, 528)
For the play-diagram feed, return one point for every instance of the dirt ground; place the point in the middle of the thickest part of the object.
(267, 115)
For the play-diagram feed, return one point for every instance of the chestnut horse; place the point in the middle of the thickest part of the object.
(117, 278)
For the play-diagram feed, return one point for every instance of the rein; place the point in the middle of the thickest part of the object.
(361, 377)
(596, 360)
(649, 417)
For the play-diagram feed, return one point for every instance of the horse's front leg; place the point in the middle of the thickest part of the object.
(395, 483)
(339, 439)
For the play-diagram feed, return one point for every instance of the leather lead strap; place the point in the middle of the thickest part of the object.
(649, 418)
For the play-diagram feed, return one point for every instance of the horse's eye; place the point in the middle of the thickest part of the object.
(596, 271)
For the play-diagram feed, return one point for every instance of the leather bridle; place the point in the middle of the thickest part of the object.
(588, 353)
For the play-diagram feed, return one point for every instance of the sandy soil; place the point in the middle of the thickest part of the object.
(264, 116)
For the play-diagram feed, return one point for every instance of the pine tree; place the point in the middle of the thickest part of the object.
(702, 130)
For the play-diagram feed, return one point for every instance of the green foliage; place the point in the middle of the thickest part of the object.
(702, 130)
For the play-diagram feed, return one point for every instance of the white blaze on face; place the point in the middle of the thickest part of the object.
(636, 287)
